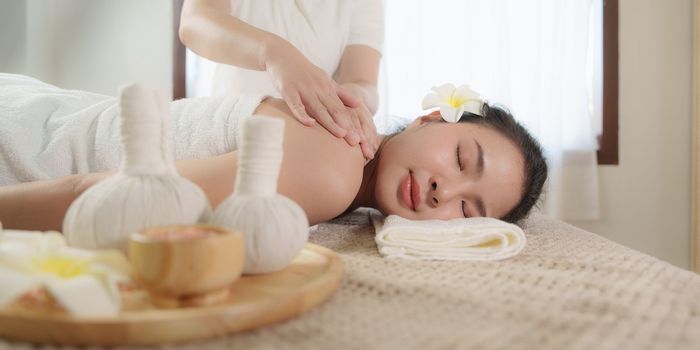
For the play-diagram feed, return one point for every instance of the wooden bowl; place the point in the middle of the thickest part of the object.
(187, 262)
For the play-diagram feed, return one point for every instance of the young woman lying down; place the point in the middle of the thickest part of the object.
(56, 143)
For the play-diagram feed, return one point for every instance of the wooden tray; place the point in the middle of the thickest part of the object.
(255, 301)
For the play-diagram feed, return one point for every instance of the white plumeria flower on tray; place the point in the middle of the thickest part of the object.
(453, 101)
(83, 282)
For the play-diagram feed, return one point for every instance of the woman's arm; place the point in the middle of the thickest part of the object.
(41, 205)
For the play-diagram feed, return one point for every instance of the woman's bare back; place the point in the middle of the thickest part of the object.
(320, 172)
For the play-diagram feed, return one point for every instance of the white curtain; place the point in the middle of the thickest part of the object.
(536, 57)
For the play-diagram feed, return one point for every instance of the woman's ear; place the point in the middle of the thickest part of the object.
(428, 118)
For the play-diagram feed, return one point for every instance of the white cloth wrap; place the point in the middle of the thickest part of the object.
(48, 132)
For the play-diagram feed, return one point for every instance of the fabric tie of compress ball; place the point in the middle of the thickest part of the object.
(479, 239)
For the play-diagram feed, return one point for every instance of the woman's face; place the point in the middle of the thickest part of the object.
(436, 170)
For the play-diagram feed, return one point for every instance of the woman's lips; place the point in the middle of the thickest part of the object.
(406, 188)
(415, 191)
(410, 191)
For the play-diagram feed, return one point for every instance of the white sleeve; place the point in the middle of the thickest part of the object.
(367, 24)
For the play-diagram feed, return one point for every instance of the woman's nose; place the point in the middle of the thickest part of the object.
(441, 192)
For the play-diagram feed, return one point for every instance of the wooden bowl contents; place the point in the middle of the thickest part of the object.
(187, 265)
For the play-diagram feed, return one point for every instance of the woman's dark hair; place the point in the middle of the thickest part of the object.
(502, 121)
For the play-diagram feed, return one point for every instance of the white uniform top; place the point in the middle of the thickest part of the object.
(320, 29)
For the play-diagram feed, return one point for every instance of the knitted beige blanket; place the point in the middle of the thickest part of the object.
(569, 289)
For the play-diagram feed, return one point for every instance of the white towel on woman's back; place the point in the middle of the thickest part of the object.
(48, 132)
(457, 239)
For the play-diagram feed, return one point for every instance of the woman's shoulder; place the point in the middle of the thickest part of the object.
(319, 171)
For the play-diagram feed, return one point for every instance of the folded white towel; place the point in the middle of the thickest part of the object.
(458, 239)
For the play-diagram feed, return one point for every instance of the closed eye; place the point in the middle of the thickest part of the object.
(461, 167)
(459, 160)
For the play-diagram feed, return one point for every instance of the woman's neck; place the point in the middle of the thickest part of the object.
(365, 195)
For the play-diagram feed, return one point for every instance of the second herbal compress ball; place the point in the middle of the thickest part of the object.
(275, 227)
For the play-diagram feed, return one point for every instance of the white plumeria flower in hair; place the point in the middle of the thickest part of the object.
(453, 101)
(84, 283)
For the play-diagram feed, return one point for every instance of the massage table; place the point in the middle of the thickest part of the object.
(568, 289)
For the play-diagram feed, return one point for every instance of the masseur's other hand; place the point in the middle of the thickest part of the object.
(311, 94)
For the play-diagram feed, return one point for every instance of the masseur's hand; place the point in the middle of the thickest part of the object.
(362, 120)
(312, 95)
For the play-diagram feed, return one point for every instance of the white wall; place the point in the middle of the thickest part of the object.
(12, 36)
(93, 45)
(646, 199)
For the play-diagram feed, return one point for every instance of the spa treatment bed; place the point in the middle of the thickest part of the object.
(568, 289)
